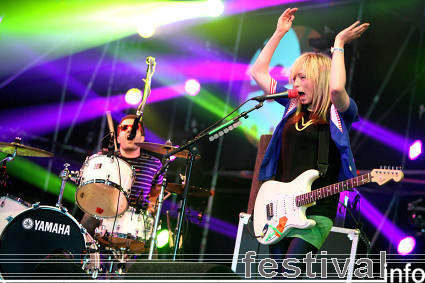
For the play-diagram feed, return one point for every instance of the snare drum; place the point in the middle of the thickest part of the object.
(128, 231)
(9, 207)
(105, 186)
(43, 231)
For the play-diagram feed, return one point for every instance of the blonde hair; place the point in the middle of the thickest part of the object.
(316, 67)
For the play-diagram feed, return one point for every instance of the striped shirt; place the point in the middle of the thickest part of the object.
(145, 166)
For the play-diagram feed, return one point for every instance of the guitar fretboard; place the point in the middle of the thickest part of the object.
(332, 189)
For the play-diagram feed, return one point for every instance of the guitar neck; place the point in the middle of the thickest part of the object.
(332, 189)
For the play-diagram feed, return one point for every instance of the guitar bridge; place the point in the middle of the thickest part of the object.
(269, 208)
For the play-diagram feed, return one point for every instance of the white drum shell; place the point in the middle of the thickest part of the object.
(105, 186)
(127, 231)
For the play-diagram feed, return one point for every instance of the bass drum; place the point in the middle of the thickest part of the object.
(41, 233)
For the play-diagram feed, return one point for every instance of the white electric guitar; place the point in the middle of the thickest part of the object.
(280, 206)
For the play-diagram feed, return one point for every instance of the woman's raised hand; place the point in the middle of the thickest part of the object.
(352, 32)
(284, 23)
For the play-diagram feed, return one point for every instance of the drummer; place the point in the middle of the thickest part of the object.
(145, 167)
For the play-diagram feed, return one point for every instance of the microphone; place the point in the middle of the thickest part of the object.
(134, 128)
(290, 93)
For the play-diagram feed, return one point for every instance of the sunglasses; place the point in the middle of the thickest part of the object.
(125, 127)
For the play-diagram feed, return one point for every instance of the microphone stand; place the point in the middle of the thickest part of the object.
(193, 149)
(153, 240)
(146, 93)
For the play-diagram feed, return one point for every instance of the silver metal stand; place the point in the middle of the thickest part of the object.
(64, 176)
(158, 211)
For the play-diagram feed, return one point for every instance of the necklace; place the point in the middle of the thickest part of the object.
(304, 125)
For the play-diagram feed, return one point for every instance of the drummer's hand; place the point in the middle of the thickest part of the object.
(151, 208)
(182, 178)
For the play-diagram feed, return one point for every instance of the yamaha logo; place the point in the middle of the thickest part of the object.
(45, 226)
(28, 223)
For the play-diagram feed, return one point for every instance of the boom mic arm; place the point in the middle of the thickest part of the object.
(146, 92)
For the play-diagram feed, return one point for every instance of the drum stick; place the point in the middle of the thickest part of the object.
(170, 233)
(111, 128)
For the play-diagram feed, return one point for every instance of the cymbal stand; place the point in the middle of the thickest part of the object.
(3, 164)
(10, 157)
(64, 176)
(193, 150)
(163, 170)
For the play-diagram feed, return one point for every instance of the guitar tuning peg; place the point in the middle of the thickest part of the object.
(393, 167)
(380, 167)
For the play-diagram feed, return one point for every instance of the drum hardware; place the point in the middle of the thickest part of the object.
(160, 200)
(194, 150)
(64, 176)
(121, 264)
(163, 149)
(74, 176)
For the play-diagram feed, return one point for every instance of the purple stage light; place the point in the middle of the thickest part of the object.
(406, 245)
(381, 134)
(206, 70)
(415, 150)
(165, 93)
(41, 120)
(241, 6)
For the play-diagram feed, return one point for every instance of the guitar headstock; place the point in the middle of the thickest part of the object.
(382, 176)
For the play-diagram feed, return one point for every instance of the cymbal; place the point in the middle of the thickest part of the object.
(23, 150)
(163, 149)
(193, 191)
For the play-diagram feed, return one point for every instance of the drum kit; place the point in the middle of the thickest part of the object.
(104, 185)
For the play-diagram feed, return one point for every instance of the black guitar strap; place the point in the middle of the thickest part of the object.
(323, 152)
